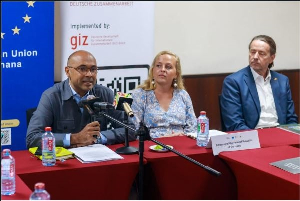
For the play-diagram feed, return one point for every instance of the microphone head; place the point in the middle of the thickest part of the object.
(89, 102)
(103, 105)
(120, 98)
(89, 97)
(128, 109)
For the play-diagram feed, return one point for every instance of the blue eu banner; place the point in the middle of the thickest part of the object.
(27, 64)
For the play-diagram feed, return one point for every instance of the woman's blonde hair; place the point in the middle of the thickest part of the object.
(147, 85)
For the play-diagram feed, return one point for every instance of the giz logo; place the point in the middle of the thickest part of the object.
(78, 41)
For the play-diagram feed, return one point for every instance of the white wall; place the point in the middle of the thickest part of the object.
(213, 37)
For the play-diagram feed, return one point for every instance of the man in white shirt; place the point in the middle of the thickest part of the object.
(255, 96)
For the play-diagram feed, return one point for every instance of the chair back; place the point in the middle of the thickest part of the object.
(29, 114)
(221, 118)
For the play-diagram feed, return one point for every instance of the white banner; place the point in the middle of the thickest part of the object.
(123, 78)
(117, 33)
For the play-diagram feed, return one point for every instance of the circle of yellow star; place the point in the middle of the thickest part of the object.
(30, 3)
(26, 19)
(2, 35)
(16, 30)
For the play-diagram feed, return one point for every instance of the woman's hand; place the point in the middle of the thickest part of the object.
(174, 134)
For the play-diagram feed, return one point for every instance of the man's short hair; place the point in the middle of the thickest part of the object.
(269, 41)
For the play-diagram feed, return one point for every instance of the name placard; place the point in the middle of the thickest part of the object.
(235, 141)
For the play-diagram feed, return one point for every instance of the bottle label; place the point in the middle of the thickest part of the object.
(202, 127)
(11, 170)
(50, 144)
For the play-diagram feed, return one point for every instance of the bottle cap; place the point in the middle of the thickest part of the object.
(39, 186)
(202, 113)
(6, 152)
(48, 129)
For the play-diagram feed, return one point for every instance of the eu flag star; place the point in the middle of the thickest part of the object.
(30, 3)
(16, 30)
(26, 19)
(2, 35)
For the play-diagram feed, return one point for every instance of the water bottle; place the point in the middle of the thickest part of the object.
(39, 192)
(202, 130)
(8, 174)
(48, 148)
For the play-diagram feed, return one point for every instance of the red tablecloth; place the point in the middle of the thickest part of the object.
(257, 179)
(73, 180)
(169, 176)
(272, 137)
(22, 191)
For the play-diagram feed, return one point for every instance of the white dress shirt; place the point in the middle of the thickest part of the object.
(268, 115)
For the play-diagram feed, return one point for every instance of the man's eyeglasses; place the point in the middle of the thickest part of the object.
(84, 69)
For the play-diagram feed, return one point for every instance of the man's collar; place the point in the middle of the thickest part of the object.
(256, 75)
(67, 92)
(75, 93)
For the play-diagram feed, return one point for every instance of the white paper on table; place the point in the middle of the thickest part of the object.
(95, 153)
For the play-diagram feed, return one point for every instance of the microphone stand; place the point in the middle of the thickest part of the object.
(143, 134)
(92, 114)
(126, 149)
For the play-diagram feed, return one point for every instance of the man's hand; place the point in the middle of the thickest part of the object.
(86, 136)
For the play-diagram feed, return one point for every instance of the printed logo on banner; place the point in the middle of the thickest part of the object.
(123, 84)
(5, 136)
(123, 78)
(113, 41)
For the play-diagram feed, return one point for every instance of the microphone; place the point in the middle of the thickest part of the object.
(103, 105)
(94, 103)
(127, 109)
(120, 98)
(89, 102)
(89, 97)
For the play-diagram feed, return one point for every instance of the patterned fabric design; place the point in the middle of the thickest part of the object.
(180, 117)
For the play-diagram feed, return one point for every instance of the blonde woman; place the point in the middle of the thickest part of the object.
(162, 102)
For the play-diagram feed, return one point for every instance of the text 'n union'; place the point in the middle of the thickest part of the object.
(24, 53)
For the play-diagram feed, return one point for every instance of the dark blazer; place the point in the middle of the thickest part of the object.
(240, 106)
(57, 108)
